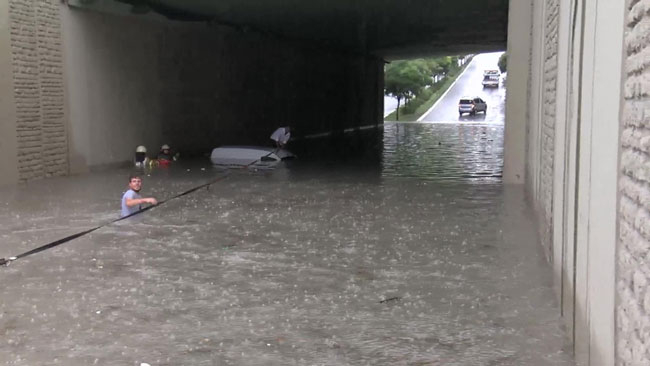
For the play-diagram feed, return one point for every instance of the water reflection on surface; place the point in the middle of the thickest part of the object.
(288, 267)
(451, 152)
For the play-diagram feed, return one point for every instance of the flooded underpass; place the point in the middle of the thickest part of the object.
(415, 254)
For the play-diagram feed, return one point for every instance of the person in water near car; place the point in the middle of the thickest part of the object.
(281, 136)
(140, 158)
(131, 200)
(165, 155)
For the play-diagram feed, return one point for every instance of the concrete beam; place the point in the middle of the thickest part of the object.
(389, 29)
(605, 98)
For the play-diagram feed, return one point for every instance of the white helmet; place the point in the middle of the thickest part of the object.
(141, 149)
(164, 147)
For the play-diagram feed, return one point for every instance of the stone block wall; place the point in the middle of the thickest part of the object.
(35, 38)
(549, 86)
(633, 277)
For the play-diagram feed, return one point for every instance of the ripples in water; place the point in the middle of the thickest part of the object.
(443, 152)
(292, 266)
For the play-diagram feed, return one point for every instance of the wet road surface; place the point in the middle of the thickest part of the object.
(390, 104)
(469, 85)
(450, 152)
(416, 255)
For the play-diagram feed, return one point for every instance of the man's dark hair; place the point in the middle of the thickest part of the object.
(133, 176)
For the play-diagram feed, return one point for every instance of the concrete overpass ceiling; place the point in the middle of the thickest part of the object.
(390, 29)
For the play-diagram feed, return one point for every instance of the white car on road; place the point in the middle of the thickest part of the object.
(491, 81)
(491, 73)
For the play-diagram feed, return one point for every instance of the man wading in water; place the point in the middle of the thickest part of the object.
(131, 200)
(281, 136)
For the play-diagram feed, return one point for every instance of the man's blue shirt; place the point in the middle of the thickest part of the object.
(126, 210)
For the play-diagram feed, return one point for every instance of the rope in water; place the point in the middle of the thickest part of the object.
(7, 261)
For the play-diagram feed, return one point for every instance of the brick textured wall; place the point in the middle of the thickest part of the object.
(548, 120)
(633, 277)
(38, 87)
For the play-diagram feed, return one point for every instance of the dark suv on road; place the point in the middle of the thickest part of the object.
(471, 106)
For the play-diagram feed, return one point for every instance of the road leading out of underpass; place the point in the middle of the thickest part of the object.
(390, 104)
(469, 85)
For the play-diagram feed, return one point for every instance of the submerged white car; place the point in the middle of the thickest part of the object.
(248, 156)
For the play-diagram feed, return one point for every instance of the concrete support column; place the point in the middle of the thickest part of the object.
(563, 184)
(8, 141)
(599, 101)
(562, 111)
(535, 103)
(588, 99)
(378, 72)
(605, 95)
(519, 29)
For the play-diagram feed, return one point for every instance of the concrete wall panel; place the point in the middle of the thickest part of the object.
(196, 86)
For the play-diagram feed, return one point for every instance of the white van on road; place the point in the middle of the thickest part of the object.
(491, 81)
(491, 73)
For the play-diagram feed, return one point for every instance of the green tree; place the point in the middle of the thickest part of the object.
(503, 62)
(405, 79)
(434, 66)
(446, 63)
